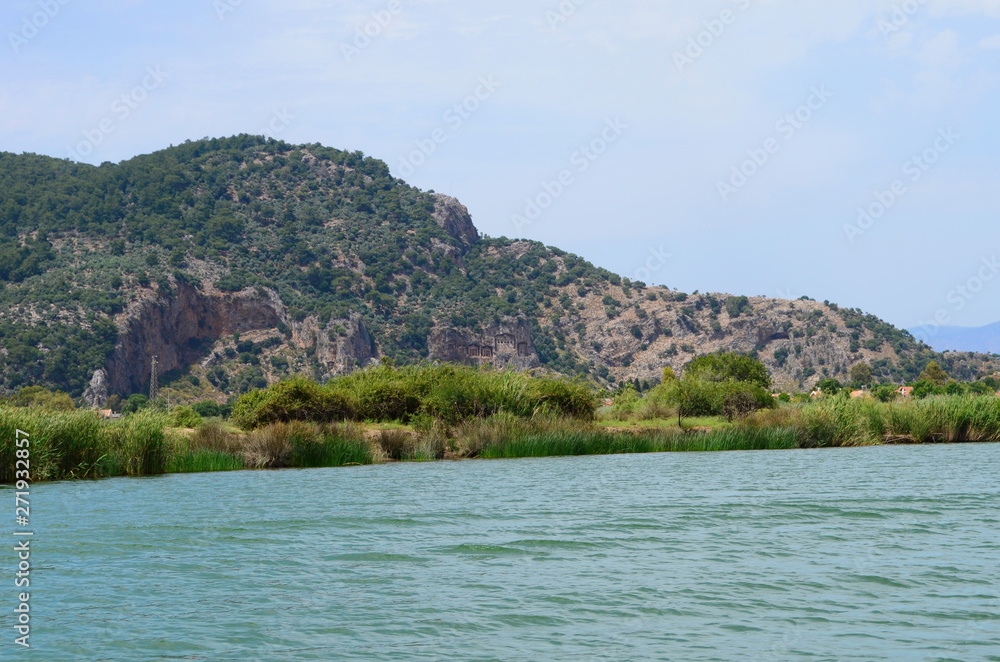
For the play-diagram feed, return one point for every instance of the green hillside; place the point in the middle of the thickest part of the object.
(335, 238)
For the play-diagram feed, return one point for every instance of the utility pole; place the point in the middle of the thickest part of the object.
(153, 386)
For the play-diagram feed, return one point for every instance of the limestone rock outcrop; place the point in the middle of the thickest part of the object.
(177, 328)
(507, 343)
(341, 346)
(454, 217)
(96, 394)
(180, 328)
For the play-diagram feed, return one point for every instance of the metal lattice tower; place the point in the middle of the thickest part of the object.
(153, 385)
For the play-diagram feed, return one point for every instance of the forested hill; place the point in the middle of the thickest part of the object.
(242, 260)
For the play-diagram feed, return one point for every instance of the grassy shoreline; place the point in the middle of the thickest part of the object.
(76, 445)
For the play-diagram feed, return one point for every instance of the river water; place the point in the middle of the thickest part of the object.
(886, 553)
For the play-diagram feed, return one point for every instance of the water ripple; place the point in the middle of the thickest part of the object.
(871, 554)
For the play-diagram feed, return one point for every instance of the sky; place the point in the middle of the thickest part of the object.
(846, 151)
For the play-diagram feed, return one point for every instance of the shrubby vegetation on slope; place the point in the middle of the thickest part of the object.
(334, 234)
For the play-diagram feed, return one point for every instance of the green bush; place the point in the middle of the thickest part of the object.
(185, 417)
(207, 409)
(449, 393)
(560, 397)
(135, 402)
(728, 366)
(294, 400)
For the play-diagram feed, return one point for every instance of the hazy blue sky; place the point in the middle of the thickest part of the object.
(643, 108)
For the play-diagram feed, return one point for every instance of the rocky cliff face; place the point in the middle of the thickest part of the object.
(454, 217)
(180, 329)
(621, 333)
(800, 342)
(339, 347)
(507, 343)
(177, 329)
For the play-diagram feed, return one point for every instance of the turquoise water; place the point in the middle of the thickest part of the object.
(888, 553)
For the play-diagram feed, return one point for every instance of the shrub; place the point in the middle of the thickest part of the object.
(396, 444)
(185, 417)
(37, 396)
(560, 397)
(728, 366)
(295, 400)
(135, 402)
(698, 397)
(207, 409)
(328, 446)
(736, 306)
(740, 404)
(268, 447)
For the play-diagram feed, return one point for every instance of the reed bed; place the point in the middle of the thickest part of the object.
(494, 439)
(201, 461)
(77, 444)
(735, 439)
(845, 422)
(405, 445)
(295, 444)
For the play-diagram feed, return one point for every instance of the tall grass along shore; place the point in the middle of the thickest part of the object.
(452, 413)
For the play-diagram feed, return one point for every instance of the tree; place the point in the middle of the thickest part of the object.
(744, 401)
(185, 417)
(42, 398)
(885, 393)
(135, 402)
(980, 388)
(830, 386)
(736, 306)
(207, 408)
(669, 375)
(695, 397)
(923, 388)
(934, 373)
(861, 374)
(954, 388)
(728, 367)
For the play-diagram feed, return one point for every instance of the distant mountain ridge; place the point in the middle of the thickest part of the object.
(982, 339)
(236, 262)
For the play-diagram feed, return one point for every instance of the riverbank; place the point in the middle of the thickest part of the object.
(77, 444)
